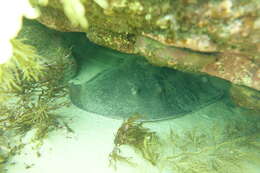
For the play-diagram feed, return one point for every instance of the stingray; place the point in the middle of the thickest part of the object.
(120, 85)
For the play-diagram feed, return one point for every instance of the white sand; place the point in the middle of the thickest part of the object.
(87, 150)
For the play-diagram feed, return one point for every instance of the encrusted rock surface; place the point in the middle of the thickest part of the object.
(236, 68)
(229, 29)
(208, 26)
(245, 97)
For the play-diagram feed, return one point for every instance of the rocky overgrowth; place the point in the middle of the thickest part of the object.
(245, 97)
(236, 68)
(217, 37)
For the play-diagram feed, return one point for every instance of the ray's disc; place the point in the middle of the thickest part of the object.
(119, 88)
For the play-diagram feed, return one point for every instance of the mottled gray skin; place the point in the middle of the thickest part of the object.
(133, 86)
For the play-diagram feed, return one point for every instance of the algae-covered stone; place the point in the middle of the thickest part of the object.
(222, 25)
(215, 26)
(245, 97)
(236, 68)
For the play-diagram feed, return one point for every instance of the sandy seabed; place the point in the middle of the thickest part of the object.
(87, 149)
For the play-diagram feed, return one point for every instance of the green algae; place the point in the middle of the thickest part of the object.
(33, 88)
(36, 73)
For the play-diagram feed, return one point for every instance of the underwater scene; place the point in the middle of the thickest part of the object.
(130, 86)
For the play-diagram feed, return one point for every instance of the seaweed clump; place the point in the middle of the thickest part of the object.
(4, 150)
(31, 93)
(220, 149)
(141, 139)
(25, 64)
